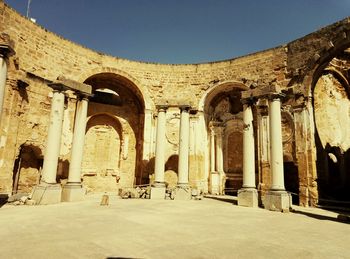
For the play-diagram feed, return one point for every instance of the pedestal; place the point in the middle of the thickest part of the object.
(248, 197)
(277, 201)
(183, 193)
(44, 194)
(73, 192)
(157, 193)
(214, 183)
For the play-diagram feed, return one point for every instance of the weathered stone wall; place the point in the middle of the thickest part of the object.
(42, 56)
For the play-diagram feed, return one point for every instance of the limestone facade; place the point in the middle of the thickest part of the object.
(178, 124)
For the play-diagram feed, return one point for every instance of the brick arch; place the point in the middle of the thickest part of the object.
(138, 87)
(321, 59)
(225, 86)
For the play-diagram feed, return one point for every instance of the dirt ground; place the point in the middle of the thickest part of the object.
(210, 228)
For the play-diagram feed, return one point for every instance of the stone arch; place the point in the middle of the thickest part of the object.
(140, 90)
(221, 106)
(217, 88)
(331, 105)
(104, 153)
(321, 59)
(314, 69)
(106, 123)
(122, 97)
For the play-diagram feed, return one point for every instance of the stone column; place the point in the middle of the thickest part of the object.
(276, 146)
(184, 147)
(212, 150)
(158, 190)
(248, 195)
(48, 191)
(183, 191)
(276, 198)
(73, 190)
(53, 142)
(214, 174)
(248, 148)
(6, 51)
(220, 159)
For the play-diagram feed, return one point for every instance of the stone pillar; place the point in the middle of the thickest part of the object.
(276, 146)
(158, 190)
(184, 147)
(212, 150)
(48, 191)
(73, 190)
(248, 195)
(214, 174)
(6, 50)
(183, 192)
(276, 198)
(220, 159)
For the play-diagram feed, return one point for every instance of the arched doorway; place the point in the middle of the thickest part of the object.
(27, 168)
(233, 155)
(331, 103)
(224, 121)
(114, 136)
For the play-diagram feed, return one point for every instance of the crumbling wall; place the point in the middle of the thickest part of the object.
(332, 105)
(42, 56)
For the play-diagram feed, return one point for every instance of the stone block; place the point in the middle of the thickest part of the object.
(73, 192)
(30, 202)
(214, 183)
(248, 198)
(45, 194)
(157, 193)
(104, 200)
(277, 201)
(182, 194)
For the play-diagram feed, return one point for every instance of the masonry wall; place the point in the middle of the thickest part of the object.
(42, 56)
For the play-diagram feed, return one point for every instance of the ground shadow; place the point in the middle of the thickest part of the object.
(341, 218)
(3, 199)
(229, 199)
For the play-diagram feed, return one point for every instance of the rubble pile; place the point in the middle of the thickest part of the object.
(21, 199)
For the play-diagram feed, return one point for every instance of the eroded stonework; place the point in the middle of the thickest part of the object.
(205, 117)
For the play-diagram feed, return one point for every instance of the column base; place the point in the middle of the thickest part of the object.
(73, 192)
(277, 201)
(183, 193)
(222, 181)
(157, 193)
(248, 197)
(215, 183)
(44, 194)
(158, 184)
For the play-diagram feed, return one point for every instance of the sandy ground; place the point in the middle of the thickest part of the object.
(209, 228)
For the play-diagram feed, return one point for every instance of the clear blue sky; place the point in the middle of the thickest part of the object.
(183, 31)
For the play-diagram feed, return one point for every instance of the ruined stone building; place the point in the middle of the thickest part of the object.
(262, 124)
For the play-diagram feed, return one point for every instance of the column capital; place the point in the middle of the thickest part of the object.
(57, 86)
(216, 124)
(184, 108)
(6, 46)
(6, 51)
(275, 96)
(83, 96)
(250, 101)
(162, 107)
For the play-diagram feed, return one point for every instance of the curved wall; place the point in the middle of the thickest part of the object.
(41, 56)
